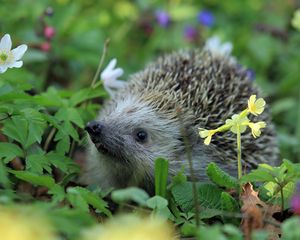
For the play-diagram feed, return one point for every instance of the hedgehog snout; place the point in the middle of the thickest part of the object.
(94, 128)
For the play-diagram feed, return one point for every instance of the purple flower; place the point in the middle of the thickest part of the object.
(250, 73)
(295, 200)
(295, 204)
(190, 33)
(206, 18)
(162, 18)
(298, 188)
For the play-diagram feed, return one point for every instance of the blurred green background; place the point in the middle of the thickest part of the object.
(67, 55)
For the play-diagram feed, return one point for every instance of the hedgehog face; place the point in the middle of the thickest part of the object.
(132, 132)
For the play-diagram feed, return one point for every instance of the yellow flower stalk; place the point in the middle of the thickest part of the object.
(255, 128)
(238, 124)
(237, 121)
(131, 227)
(256, 107)
(24, 223)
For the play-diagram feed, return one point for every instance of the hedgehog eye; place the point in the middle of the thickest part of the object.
(141, 136)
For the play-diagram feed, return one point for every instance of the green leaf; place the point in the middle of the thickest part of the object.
(77, 200)
(160, 207)
(209, 198)
(183, 195)
(82, 197)
(86, 94)
(63, 145)
(161, 176)
(290, 229)
(258, 175)
(16, 128)
(70, 114)
(4, 180)
(36, 125)
(36, 163)
(228, 202)
(272, 191)
(221, 178)
(130, 194)
(43, 180)
(157, 202)
(180, 177)
(26, 128)
(35, 179)
(211, 232)
(50, 98)
(8, 151)
(64, 163)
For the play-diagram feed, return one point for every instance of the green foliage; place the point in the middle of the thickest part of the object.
(221, 178)
(130, 194)
(81, 198)
(161, 176)
(219, 232)
(209, 196)
(278, 182)
(228, 202)
(290, 229)
(160, 207)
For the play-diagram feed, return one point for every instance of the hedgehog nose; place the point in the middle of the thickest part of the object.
(94, 127)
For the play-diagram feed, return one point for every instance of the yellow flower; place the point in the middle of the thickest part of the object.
(237, 121)
(256, 106)
(131, 227)
(20, 223)
(207, 134)
(296, 20)
(255, 128)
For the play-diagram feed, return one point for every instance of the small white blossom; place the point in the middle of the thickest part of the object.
(10, 58)
(217, 48)
(110, 77)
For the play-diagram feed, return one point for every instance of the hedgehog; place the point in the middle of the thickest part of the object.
(158, 114)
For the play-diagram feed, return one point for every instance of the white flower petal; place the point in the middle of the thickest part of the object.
(216, 47)
(116, 73)
(117, 84)
(5, 43)
(212, 43)
(226, 48)
(19, 51)
(3, 69)
(111, 65)
(17, 64)
(109, 68)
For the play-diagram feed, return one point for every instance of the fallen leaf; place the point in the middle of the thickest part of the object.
(258, 214)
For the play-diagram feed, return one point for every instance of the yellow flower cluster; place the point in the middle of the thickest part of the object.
(131, 227)
(239, 122)
(24, 223)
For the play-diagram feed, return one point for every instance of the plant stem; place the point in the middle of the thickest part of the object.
(49, 138)
(188, 151)
(239, 152)
(282, 199)
(96, 76)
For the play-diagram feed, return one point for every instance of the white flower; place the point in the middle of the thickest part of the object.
(217, 48)
(110, 77)
(10, 58)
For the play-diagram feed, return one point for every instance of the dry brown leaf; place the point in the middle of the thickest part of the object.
(258, 214)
